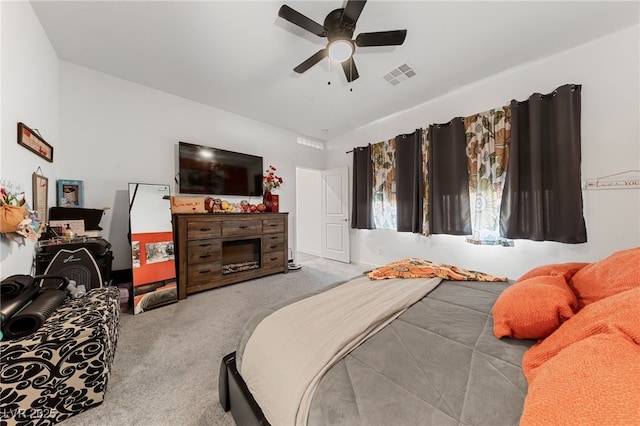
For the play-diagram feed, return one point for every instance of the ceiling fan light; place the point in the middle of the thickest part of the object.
(340, 50)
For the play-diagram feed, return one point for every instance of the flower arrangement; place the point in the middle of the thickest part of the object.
(270, 180)
(17, 220)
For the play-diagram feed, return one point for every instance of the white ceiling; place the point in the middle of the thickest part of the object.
(239, 55)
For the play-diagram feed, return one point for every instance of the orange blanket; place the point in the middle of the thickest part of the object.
(612, 275)
(420, 268)
(588, 371)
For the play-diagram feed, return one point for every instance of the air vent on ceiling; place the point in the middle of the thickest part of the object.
(399, 74)
(310, 143)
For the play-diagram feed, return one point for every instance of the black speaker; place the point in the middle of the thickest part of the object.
(77, 265)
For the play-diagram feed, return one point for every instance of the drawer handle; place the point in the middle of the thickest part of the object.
(243, 226)
(273, 238)
(205, 229)
(205, 245)
(204, 256)
(273, 224)
(273, 247)
(204, 272)
(274, 258)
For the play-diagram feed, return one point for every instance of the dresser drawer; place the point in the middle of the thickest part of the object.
(273, 225)
(200, 251)
(272, 260)
(202, 229)
(203, 272)
(241, 227)
(272, 242)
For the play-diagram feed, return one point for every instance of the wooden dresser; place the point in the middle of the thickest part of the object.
(216, 249)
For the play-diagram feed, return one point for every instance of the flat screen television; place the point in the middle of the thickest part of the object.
(207, 170)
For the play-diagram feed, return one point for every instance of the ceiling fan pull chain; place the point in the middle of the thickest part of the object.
(351, 88)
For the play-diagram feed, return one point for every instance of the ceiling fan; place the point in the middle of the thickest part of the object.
(338, 28)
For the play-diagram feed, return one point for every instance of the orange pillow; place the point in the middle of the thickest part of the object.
(567, 270)
(618, 314)
(595, 381)
(533, 308)
(615, 274)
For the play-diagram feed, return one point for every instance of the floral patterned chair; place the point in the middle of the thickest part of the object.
(63, 368)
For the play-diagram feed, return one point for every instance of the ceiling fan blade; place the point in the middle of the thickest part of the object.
(311, 61)
(353, 10)
(381, 38)
(302, 21)
(350, 70)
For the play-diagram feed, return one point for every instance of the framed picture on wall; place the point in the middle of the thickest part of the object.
(34, 143)
(41, 196)
(70, 193)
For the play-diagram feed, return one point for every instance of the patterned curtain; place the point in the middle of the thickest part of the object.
(383, 155)
(488, 137)
(425, 183)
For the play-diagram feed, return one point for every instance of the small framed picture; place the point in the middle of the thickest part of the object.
(34, 143)
(70, 193)
(41, 196)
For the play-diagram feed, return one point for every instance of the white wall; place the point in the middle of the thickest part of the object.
(117, 132)
(308, 209)
(608, 70)
(29, 95)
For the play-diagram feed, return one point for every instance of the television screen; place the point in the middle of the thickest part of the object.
(206, 170)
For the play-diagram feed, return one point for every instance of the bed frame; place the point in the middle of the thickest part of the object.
(235, 396)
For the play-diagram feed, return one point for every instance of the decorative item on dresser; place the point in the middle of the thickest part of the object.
(213, 250)
(271, 182)
(271, 202)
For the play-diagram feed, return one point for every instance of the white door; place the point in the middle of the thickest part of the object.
(335, 214)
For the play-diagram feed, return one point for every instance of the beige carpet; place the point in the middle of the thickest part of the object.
(166, 366)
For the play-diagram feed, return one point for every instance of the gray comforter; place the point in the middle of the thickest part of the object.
(439, 363)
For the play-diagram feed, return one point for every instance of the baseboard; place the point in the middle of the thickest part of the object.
(365, 265)
(311, 252)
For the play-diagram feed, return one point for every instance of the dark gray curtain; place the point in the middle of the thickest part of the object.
(409, 182)
(362, 195)
(542, 198)
(449, 208)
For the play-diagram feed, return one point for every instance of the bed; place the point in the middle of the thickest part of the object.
(440, 362)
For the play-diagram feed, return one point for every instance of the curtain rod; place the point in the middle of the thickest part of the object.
(349, 152)
(573, 86)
